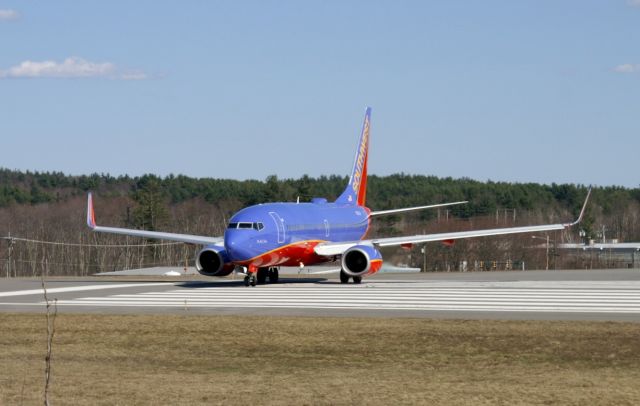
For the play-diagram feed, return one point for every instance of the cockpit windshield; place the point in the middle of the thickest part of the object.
(246, 226)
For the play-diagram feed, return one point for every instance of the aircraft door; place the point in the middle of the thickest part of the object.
(326, 228)
(279, 226)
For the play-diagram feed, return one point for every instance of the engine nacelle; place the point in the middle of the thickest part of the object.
(214, 261)
(361, 260)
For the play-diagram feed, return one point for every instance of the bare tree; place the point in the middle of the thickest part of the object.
(51, 330)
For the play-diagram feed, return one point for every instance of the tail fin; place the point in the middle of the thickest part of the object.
(356, 191)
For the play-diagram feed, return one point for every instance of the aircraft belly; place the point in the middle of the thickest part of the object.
(289, 255)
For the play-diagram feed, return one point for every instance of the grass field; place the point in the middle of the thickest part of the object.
(156, 359)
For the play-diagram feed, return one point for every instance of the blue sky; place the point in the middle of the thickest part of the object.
(523, 91)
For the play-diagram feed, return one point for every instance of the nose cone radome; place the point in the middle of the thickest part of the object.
(246, 229)
(237, 245)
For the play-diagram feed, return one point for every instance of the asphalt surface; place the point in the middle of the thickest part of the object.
(530, 295)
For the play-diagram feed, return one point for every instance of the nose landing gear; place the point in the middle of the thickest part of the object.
(251, 276)
(250, 280)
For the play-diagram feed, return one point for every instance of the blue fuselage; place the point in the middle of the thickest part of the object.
(285, 233)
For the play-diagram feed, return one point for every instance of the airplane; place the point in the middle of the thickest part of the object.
(261, 238)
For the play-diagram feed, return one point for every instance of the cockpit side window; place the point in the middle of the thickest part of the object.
(245, 225)
(258, 226)
(233, 225)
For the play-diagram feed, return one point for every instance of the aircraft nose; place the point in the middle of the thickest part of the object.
(237, 247)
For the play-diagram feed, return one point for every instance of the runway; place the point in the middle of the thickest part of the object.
(583, 295)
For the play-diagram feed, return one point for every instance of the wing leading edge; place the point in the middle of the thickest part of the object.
(186, 238)
(330, 249)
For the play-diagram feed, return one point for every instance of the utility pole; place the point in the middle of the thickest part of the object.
(546, 248)
(186, 258)
(424, 258)
(547, 268)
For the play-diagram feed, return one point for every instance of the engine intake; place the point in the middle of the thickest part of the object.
(213, 261)
(361, 260)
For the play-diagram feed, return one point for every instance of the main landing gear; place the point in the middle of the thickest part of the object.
(344, 278)
(260, 276)
(250, 280)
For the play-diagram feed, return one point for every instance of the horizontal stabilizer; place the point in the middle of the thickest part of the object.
(432, 206)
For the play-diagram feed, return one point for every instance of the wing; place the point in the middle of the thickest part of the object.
(337, 248)
(186, 238)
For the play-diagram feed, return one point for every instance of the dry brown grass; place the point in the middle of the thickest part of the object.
(158, 359)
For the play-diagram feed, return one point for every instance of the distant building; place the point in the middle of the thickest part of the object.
(621, 255)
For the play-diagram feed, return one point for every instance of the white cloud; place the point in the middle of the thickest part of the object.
(133, 75)
(633, 3)
(73, 67)
(8, 15)
(627, 68)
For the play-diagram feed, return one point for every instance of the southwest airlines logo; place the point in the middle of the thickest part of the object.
(362, 153)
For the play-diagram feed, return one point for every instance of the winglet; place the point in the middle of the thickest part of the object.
(91, 216)
(584, 207)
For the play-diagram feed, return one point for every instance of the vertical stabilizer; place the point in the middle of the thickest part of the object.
(356, 191)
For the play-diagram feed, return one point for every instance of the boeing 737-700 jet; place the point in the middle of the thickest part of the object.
(261, 238)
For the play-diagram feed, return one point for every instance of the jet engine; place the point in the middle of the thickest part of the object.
(213, 261)
(361, 260)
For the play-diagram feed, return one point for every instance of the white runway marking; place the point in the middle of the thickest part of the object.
(76, 289)
(584, 297)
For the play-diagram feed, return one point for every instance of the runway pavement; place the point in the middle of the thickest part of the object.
(567, 295)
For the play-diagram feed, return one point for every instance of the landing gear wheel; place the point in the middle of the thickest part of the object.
(247, 280)
(262, 275)
(357, 279)
(252, 279)
(344, 278)
(273, 275)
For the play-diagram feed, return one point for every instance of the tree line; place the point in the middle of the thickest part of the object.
(50, 206)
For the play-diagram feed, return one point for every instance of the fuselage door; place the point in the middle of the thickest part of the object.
(279, 226)
(326, 228)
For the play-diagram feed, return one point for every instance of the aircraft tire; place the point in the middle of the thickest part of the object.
(262, 275)
(273, 275)
(344, 278)
(253, 280)
(247, 280)
(357, 279)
